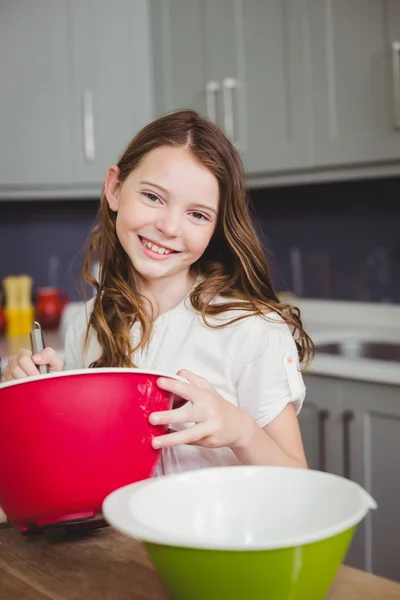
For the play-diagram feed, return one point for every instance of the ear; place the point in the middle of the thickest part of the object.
(111, 187)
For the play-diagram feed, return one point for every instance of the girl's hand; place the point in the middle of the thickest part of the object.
(218, 423)
(25, 365)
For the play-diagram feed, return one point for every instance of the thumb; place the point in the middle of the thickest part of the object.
(48, 357)
(196, 380)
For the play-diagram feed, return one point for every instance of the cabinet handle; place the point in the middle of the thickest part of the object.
(88, 126)
(347, 418)
(228, 85)
(212, 88)
(396, 82)
(323, 416)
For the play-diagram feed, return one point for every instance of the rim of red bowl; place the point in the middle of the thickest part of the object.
(131, 371)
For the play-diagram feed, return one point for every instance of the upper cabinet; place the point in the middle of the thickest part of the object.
(76, 86)
(111, 81)
(244, 65)
(275, 75)
(355, 59)
(305, 89)
(178, 55)
(297, 84)
(35, 123)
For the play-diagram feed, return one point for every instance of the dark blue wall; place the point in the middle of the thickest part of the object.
(345, 235)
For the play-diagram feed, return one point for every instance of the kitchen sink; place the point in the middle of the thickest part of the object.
(353, 348)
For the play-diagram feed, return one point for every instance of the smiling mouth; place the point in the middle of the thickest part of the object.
(162, 250)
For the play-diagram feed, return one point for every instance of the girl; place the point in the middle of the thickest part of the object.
(184, 287)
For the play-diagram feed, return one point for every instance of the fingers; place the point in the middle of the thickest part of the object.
(185, 436)
(48, 356)
(194, 392)
(185, 414)
(179, 388)
(18, 373)
(25, 365)
(20, 366)
(190, 391)
(196, 380)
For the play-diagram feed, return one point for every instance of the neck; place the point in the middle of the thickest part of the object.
(166, 293)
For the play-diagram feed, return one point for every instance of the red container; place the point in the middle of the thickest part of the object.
(69, 439)
(49, 306)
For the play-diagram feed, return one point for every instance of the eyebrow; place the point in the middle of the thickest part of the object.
(160, 187)
(204, 206)
(207, 208)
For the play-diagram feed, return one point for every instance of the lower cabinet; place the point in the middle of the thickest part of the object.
(352, 428)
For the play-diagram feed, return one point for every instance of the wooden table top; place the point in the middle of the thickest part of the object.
(105, 565)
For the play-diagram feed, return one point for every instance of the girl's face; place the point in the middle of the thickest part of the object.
(166, 211)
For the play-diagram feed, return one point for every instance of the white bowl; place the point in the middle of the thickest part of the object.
(238, 508)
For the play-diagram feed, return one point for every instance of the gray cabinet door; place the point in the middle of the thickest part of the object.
(371, 425)
(179, 47)
(112, 82)
(34, 117)
(244, 65)
(224, 61)
(275, 73)
(320, 423)
(352, 92)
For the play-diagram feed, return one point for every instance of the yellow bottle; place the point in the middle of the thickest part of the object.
(11, 309)
(19, 310)
(27, 312)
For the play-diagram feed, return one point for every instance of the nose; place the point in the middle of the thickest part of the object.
(169, 223)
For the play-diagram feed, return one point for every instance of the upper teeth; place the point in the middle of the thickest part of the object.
(155, 248)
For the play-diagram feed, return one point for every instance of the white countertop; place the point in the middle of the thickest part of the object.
(325, 321)
(329, 321)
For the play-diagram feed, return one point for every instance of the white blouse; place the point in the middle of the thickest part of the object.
(252, 363)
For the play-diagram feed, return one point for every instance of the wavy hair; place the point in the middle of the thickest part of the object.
(233, 265)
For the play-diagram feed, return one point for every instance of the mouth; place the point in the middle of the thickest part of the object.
(156, 249)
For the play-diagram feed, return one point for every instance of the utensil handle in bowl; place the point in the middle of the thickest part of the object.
(37, 343)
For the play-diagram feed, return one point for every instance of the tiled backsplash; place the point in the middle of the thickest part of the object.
(339, 240)
(33, 232)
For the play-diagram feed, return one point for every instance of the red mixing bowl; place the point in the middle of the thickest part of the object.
(69, 439)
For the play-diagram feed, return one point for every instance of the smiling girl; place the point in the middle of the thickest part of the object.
(184, 287)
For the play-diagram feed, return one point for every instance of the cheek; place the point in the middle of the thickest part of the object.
(200, 239)
(129, 219)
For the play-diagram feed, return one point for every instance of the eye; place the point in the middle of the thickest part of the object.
(198, 216)
(151, 197)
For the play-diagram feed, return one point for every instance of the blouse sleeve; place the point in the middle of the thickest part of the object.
(270, 378)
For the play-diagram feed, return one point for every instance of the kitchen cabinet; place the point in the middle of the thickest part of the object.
(275, 76)
(320, 423)
(242, 64)
(35, 125)
(371, 446)
(296, 84)
(356, 78)
(111, 83)
(77, 85)
(306, 89)
(352, 428)
(178, 55)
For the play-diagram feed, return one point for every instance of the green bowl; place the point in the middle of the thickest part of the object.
(243, 533)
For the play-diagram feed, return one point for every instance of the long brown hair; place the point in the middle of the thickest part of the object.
(233, 266)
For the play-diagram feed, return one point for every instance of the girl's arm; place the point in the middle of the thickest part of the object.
(263, 428)
(278, 443)
(218, 423)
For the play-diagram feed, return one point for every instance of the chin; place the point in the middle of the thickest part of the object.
(151, 271)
